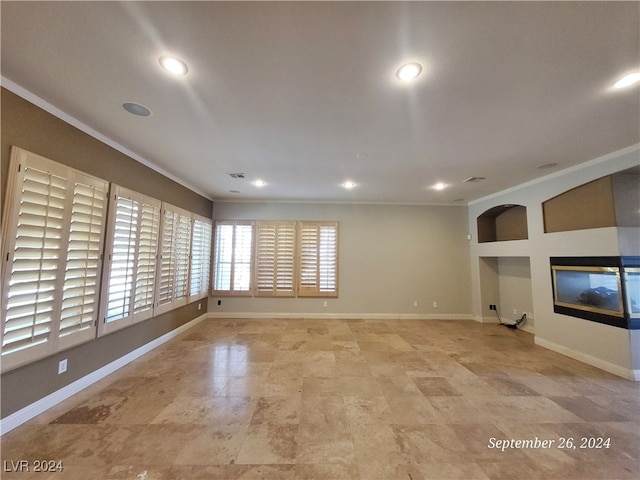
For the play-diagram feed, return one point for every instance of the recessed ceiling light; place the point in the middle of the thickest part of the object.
(409, 71)
(136, 109)
(259, 183)
(440, 186)
(628, 80)
(234, 191)
(173, 65)
(349, 184)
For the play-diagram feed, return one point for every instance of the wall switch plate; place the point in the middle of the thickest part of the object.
(62, 366)
(199, 306)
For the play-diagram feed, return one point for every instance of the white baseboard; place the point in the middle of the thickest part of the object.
(591, 360)
(343, 316)
(36, 408)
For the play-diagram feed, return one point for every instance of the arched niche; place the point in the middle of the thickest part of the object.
(503, 223)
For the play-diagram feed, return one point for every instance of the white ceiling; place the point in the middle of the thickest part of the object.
(304, 95)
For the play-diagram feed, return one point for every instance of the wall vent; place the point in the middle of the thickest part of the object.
(237, 175)
(474, 179)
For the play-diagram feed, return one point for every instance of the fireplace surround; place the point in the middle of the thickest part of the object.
(600, 289)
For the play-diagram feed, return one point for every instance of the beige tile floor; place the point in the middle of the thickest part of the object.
(341, 399)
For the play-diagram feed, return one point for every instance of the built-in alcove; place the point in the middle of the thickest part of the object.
(502, 223)
(611, 201)
(506, 283)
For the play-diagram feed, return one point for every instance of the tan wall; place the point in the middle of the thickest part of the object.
(390, 257)
(587, 206)
(512, 224)
(33, 129)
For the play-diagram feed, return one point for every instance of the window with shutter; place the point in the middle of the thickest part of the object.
(233, 258)
(53, 225)
(175, 244)
(200, 270)
(275, 258)
(318, 254)
(130, 265)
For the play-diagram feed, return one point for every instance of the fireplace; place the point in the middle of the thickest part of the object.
(599, 289)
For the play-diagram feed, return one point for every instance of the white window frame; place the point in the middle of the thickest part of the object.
(73, 274)
(144, 235)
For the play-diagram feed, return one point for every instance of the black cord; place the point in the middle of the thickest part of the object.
(519, 322)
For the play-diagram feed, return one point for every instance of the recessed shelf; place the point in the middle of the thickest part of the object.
(502, 223)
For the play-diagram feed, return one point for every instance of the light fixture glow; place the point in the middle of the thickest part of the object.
(349, 184)
(440, 186)
(628, 80)
(174, 65)
(409, 71)
(259, 183)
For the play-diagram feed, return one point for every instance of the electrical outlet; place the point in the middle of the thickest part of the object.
(415, 304)
(515, 311)
(492, 306)
(219, 302)
(324, 304)
(62, 366)
(435, 304)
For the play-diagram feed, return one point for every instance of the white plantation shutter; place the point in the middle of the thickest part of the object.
(147, 257)
(233, 258)
(318, 253)
(175, 243)
(53, 225)
(83, 266)
(167, 265)
(275, 258)
(200, 270)
(130, 267)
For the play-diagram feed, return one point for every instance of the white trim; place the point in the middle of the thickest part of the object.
(345, 316)
(65, 117)
(560, 173)
(590, 360)
(36, 408)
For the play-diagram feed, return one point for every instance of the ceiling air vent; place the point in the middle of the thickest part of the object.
(237, 175)
(474, 179)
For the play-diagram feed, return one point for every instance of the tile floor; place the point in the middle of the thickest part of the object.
(341, 399)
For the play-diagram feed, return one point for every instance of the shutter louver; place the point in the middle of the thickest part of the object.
(243, 253)
(122, 259)
(146, 261)
(200, 258)
(80, 291)
(167, 268)
(275, 260)
(318, 259)
(175, 251)
(233, 252)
